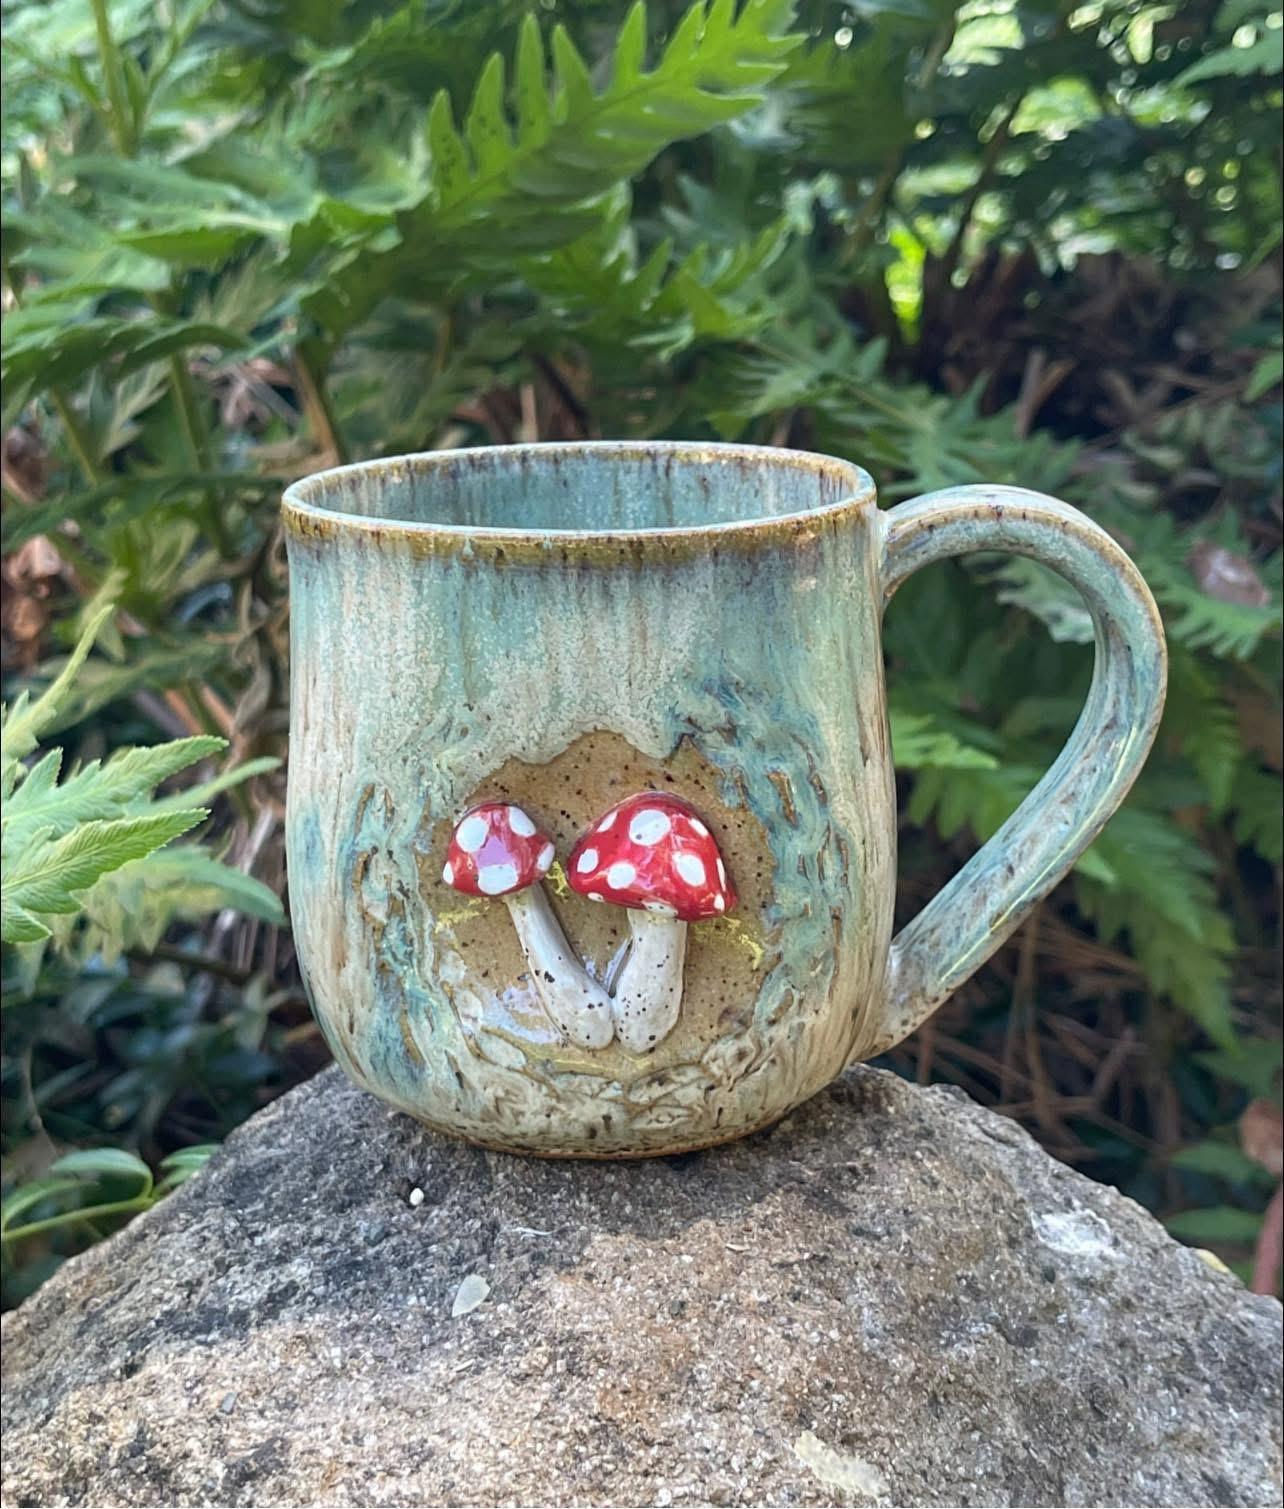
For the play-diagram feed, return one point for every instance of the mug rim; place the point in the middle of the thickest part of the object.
(308, 518)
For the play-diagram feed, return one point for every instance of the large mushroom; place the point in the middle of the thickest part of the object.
(496, 850)
(652, 854)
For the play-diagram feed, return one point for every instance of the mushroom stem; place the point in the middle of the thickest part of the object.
(576, 1002)
(648, 994)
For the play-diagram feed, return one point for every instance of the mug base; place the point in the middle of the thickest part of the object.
(588, 1154)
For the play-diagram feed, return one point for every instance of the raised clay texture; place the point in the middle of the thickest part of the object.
(892, 1298)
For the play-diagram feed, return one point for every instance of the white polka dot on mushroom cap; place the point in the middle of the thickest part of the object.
(472, 833)
(698, 828)
(493, 880)
(520, 823)
(587, 861)
(720, 903)
(608, 822)
(620, 875)
(722, 874)
(691, 868)
(448, 873)
(596, 896)
(545, 858)
(648, 826)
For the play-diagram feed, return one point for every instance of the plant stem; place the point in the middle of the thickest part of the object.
(862, 232)
(871, 212)
(114, 75)
(77, 437)
(989, 166)
(189, 409)
(311, 372)
(89, 1213)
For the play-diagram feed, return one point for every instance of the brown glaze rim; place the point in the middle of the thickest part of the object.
(305, 518)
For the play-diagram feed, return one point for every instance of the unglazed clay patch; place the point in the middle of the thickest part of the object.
(655, 858)
(631, 917)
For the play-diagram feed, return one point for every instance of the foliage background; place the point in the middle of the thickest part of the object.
(1017, 240)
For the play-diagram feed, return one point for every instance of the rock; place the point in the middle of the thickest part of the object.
(893, 1297)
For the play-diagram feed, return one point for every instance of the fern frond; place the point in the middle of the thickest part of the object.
(920, 743)
(598, 288)
(1258, 815)
(1037, 589)
(51, 873)
(134, 906)
(63, 845)
(1192, 616)
(981, 799)
(1204, 726)
(22, 725)
(97, 791)
(1164, 897)
(525, 178)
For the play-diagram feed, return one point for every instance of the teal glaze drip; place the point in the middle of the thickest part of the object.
(807, 891)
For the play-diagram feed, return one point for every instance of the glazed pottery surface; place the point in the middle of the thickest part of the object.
(592, 820)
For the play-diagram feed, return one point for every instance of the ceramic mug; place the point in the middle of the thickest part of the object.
(591, 819)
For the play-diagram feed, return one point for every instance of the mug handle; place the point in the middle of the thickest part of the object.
(992, 894)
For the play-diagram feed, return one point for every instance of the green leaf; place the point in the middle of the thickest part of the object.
(506, 187)
(134, 906)
(206, 246)
(1197, 618)
(33, 1192)
(919, 744)
(49, 876)
(78, 254)
(1164, 899)
(205, 791)
(1264, 56)
(1222, 1160)
(177, 1168)
(1255, 1066)
(1206, 727)
(101, 683)
(100, 791)
(23, 725)
(17, 925)
(131, 773)
(105, 1163)
(56, 343)
(115, 503)
(1258, 817)
(1218, 1223)
(1267, 374)
(1037, 589)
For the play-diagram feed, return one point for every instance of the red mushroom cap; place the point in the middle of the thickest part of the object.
(496, 849)
(652, 852)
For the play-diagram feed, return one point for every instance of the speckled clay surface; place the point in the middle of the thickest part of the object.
(563, 626)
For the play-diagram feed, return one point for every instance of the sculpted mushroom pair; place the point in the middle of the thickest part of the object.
(651, 854)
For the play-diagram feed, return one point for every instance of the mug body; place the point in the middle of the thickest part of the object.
(552, 630)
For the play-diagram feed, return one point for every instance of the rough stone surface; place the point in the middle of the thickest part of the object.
(892, 1297)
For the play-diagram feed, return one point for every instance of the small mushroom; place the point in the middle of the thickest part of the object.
(652, 854)
(496, 850)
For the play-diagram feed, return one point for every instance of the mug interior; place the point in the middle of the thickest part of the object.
(585, 488)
